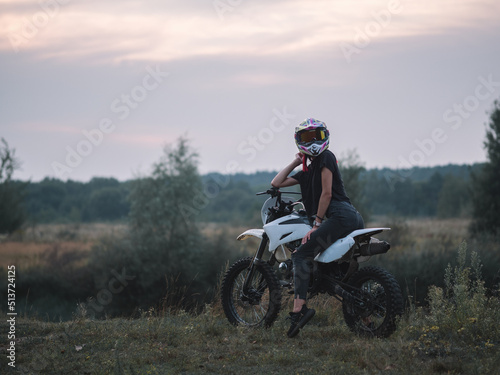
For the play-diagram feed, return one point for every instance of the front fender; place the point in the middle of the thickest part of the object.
(258, 233)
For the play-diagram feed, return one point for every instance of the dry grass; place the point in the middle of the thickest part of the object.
(81, 232)
(28, 254)
(214, 229)
(426, 227)
(25, 248)
(436, 228)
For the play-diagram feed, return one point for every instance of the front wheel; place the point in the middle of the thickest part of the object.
(377, 303)
(259, 303)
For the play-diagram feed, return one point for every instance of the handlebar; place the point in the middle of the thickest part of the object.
(281, 207)
(275, 192)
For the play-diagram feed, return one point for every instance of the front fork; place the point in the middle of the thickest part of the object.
(256, 260)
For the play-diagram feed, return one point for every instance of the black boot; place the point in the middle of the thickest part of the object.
(299, 320)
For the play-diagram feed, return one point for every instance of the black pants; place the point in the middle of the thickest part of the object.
(342, 219)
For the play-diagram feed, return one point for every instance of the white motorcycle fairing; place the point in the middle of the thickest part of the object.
(286, 229)
(281, 254)
(280, 231)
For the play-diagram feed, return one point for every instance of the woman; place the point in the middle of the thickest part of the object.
(325, 200)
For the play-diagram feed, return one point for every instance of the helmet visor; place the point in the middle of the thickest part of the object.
(307, 136)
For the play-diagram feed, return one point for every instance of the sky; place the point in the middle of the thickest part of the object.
(99, 88)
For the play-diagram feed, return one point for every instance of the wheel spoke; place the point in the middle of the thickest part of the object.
(257, 316)
(247, 301)
(248, 312)
(375, 310)
(382, 302)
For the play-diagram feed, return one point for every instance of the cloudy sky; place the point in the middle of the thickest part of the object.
(99, 87)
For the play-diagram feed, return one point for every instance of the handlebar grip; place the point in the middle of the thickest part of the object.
(272, 192)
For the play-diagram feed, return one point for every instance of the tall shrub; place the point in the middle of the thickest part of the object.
(486, 185)
(165, 244)
(462, 318)
(11, 210)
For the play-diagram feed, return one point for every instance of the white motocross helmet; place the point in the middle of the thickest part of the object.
(312, 137)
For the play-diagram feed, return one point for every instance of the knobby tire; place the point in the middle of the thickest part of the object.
(388, 296)
(237, 309)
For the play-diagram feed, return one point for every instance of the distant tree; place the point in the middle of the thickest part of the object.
(166, 240)
(454, 198)
(427, 195)
(11, 196)
(44, 200)
(234, 203)
(107, 203)
(103, 182)
(158, 203)
(486, 184)
(404, 198)
(352, 168)
(376, 193)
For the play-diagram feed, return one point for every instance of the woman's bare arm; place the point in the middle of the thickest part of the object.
(282, 179)
(326, 192)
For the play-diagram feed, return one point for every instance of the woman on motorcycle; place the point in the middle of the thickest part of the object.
(325, 199)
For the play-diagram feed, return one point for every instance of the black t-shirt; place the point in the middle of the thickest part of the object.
(310, 182)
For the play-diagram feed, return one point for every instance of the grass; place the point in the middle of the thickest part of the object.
(457, 333)
(180, 343)
(28, 246)
(32, 254)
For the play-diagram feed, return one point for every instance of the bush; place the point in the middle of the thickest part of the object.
(11, 194)
(170, 263)
(461, 318)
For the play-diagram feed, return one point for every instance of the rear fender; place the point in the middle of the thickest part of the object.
(340, 247)
(366, 232)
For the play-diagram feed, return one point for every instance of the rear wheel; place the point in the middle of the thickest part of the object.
(257, 305)
(377, 304)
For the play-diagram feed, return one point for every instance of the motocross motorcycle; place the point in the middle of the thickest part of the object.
(252, 287)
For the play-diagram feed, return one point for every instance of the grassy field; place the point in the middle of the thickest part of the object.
(458, 335)
(26, 247)
(179, 343)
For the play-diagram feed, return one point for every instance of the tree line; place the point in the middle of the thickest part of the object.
(421, 192)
